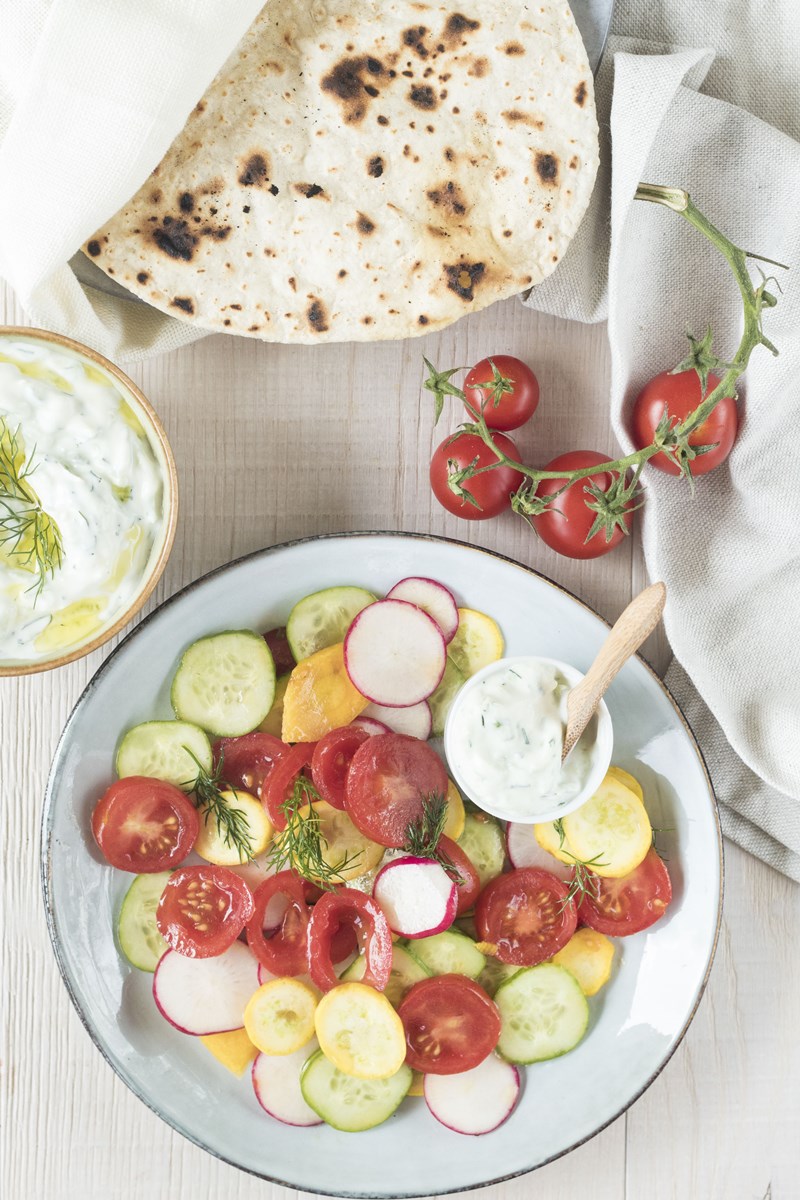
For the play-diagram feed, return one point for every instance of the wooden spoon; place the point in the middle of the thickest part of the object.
(633, 627)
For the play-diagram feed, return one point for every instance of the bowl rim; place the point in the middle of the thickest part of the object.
(604, 739)
(45, 851)
(170, 482)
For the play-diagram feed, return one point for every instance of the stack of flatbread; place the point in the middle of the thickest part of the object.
(367, 169)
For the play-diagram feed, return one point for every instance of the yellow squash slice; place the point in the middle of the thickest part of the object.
(343, 847)
(279, 1018)
(319, 697)
(273, 721)
(477, 642)
(549, 838)
(360, 1032)
(627, 780)
(456, 817)
(234, 1050)
(611, 831)
(588, 956)
(211, 844)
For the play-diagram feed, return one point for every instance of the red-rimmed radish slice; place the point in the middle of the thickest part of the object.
(372, 726)
(395, 654)
(276, 1083)
(525, 851)
(475, 1101)
(416, 720)
(205, 995)
(433, 598)
(417, 896)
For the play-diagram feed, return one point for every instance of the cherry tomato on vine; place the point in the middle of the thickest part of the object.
(566, 524)
(491, 490)
(505, 405)
(679, 395)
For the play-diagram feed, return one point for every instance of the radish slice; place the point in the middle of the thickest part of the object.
(525, 851)
(417, 895)
(476, 1101)
(416, 721)
(395, 654)
(276, 1082)
(433, 598)
(372, 726)
(205, 995)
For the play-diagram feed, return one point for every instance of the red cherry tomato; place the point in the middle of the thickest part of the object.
(388, 778)
(527, 915)
(331, 762)
(565, 525)
(346, 906)
(278, 787)
(279, 648)
(618, 907)
(451, 1025)
(283, 950)
(491, 491)
(248, 760)
(678, 395)
(503, 409)
(470, 884)
(203, 910)
(144, 825)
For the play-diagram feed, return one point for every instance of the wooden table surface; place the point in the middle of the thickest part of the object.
(274, 443)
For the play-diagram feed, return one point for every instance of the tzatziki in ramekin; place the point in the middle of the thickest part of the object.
(88, 500)
(504, 735)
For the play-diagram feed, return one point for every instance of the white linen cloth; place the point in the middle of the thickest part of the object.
(91, 95)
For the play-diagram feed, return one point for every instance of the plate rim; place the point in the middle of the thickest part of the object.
(46, 831)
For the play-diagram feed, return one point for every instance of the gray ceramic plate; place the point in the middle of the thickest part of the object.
(637, 1020)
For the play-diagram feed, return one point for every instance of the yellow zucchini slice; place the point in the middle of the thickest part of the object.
(360, 1032)
(234, 1049)
(588, 956)
(611, 830)
(477, 642)
(341, 842)
(211, 842)
(279, 1018)
(550, 840)
(456, 816)
(627, 781)
(319, 697)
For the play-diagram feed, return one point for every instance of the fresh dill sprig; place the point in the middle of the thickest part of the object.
(27, 533)
(423, 835)
(302, 845)
(661, 829)
(208, 788)
(584, 881)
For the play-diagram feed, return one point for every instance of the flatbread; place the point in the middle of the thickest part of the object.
(367, 169)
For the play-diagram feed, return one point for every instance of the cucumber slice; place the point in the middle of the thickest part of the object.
(137, 933)
(160, 750)
(349, 1104)
(443, 697)
(225, 683)
(449, 953)
(484, 845)
(406, 971)
(323, 618)
(496, 973)
(543, 1012)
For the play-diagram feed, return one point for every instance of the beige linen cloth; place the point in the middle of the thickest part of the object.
(703, 96)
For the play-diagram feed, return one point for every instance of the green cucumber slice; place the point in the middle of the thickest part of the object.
(347, 1103)
(484, 845)
(449, 953)
(225, 683)
(406, 971)
(496, 973)
(323, 618)
(442, 698)
(137, 933)
(160, 750)
(543, 1014)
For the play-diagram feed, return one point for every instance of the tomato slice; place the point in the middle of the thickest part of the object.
(278, 787)
(331, 761)
(348, 907)
(470, 884)
(283, 949)
(247, 761)
(451, 1025)
(527, 915)
(619, 907)
(388, 778)
(279, 648)
(203, 910)
(144, 825)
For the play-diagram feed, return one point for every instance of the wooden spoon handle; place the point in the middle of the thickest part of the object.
(633, 627)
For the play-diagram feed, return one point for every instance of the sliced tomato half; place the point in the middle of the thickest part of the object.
(331, 762)
(618, 907)
(283, 948)
(144, 825)
(247, 761)
(203, 910)
(451, 1025)
(468, 881)
(278, 787)
(526, 914)
(344, 908)
(389, 777)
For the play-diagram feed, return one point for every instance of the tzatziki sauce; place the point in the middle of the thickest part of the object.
(506, 738)
(95, 473)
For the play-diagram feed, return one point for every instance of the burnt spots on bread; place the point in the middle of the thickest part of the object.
(364, 225)
(449, 199)
(354, 82)
(156, 196)
(580, 94)
(414, 38)
(142, 277)
(464, 277)
(573, 163)
(422, 319)
(436, 232)
(423, 96)
(547, 169)
(479, 68)
(183, 303)
(513, 48)
(93, 247)
(456, 29)
(254, 171)
(449, 153)
(375, 166)
(309, 190)
(515, 116)
(219, 234)
(186, 202)
(367, 321)
(175, 239)
(317, 316)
